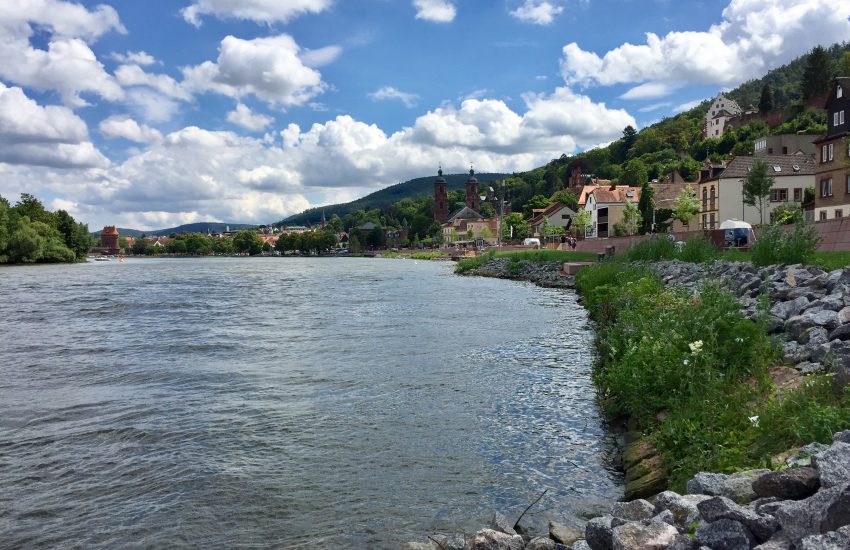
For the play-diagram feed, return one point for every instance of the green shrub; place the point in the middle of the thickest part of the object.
(775, 246)
(431, 255)
(514, 265)
(698, 250)
(652, 250)
(467, 264)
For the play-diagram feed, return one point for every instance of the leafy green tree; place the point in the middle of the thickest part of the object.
(686, 206)
(634, 173)
(567, 198)
(25, 244)
(766, 99)
(354, 245)
(140, 247)
(537, 201)
(625, 144)
(844, 65)
(487, 210)
(644, 207)
(631, 218)
(520, 227)
(247, 241)
(32, 208)
(817, 77)
(757, 186)
(376, 238)
(788, 213)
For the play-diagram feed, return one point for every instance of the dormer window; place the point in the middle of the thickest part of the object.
(777, 168)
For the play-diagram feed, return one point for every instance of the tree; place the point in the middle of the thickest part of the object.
(535, 202)
(757, 186)
(631, 217)
(844, 65)
(645, 206)
(766, 100)
(634, 173)
(581, 220)
(686, 206)
(817, 77)
(519, 225)
(625, 144)
(247, 241)
(567, 198)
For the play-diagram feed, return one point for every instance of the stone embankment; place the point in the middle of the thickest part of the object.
(805, 506)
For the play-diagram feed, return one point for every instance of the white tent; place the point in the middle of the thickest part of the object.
(735, 224)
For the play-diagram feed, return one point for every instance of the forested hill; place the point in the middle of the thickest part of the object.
(388, 196)
(200, 227)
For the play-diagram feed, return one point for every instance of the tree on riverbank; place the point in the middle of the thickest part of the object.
(31, 234)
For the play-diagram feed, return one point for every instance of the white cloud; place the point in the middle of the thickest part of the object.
(63, 19)
(151, 105)
(133, 75)
(438, 11)
(320, 57)
(687, 106)
(754, 35)
(539, 12)
(655, 107)
(650, 90)
(388, 92)
(44, 136)
(68, 65)
(269, 68)
(243, 116)
(127, 128)
(260, 11)
(134, 58)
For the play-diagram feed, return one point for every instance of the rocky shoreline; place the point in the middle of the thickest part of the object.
(805, 505)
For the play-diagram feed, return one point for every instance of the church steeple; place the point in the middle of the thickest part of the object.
(472, 198)
(441, 198)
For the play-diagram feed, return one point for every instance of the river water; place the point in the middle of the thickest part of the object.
(289, 403)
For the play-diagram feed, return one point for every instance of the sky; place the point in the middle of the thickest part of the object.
(153, 114)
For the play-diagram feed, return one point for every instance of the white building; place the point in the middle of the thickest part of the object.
(721, 111)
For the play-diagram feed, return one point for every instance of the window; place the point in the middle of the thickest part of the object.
(778, 195)
(826, 187)
(704, 199)
(839, 213)
(704, 221)
(841, 117)
(823, 153)
(711, 220)
(565, 216)
(798, 194)
(823, 215)
(835, 118)
(712, 199)
(839, 92)
(830, 152)
(777, 168)
(848, 183)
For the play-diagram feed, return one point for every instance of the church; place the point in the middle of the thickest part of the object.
(465, 227)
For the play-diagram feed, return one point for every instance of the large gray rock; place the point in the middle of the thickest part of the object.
(832, 302)
(839, 362)
(814, 336)
(598, 533)
(803, 456)
(814, 515)
(844, 315)
(842, 437)
(725, 534)
(834, 540)
(563, 533)
(825, 318)
(779, 542)
(717, 508)
(737, 486)
(634, 510)
(790, 308)
(683, 507)
(488, 539)
(502, 524)
(683, 542)
(798, 324)
(644, 535)
(541, 543)
(793, 484)
(581, 545)
(442, 542)
(840, 333)
(833, 464)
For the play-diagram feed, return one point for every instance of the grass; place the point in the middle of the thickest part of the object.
(695, 357)
(546, 255)
(467, 264)
(430, 255)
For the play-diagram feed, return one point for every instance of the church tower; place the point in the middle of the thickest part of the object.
(441, 198)
(472, 198)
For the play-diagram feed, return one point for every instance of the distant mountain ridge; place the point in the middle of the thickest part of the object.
(384, 198)
(199, 227)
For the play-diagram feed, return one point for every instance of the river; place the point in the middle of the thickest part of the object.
(289, 403)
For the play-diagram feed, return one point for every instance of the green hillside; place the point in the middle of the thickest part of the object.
(385, 198)
(200, 227)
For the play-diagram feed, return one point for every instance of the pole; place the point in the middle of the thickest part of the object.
(501, 215)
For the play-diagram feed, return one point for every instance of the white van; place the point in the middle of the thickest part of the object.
(531, 242)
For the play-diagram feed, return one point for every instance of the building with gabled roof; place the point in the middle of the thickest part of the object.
(721, 111)
(832, 176)
(606, 206)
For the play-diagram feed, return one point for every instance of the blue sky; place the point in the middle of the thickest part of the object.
(152, 114)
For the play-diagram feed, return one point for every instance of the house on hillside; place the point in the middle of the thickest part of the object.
(722, 196)
(557, 214)
(721, 111)
(832, 175)
(606, 205)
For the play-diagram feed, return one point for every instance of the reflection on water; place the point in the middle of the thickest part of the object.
(283, 402)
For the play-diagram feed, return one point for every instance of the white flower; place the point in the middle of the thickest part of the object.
(739, 339)
(754, 420)
(696, 347)
(686, 362)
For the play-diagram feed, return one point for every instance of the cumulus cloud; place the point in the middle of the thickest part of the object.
(650, 90)
(127, 128)
(133, 75)
(388, 92)
(68, 65)
(753, 36)
(269, 68)
(45, 136)
(134, 58)
(537, 12)
(438, 11)
(260, 11)
(151, 105)
(321, 56)
(243, 116)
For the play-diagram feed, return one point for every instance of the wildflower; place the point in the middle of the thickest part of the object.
(739, 339)
(696, 347)
(686, 362)
(754, 420)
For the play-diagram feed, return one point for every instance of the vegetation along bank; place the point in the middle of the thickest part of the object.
(718, 366)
